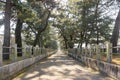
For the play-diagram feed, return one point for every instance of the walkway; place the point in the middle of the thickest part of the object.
(60, 67)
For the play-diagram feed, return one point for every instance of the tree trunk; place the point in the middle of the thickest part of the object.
(115, 34)
(6, 43)
(37, 38)
(86, 44)
(96, 20)
(18, 38)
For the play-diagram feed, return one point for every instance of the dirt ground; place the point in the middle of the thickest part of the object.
(60, 67)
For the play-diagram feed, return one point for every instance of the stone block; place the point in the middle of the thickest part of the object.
(13, 68)
(26, 63)
(20, 64)
(4, 72)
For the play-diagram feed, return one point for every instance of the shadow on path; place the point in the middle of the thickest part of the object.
(60, 67)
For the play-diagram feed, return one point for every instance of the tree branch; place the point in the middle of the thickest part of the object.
(46, 23)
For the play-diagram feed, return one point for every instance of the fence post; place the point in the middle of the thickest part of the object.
(37, 50)
(15, 52)
(90, 52)
(34, 51)
(30, 48)
(82, 52)
(28, 51)
(109, 52)
(24, 52)
(78, 51)
(1, 54)
(98, 52)
(85, 51)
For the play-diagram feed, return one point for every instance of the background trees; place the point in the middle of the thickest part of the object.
(32, 14)
(81, 22)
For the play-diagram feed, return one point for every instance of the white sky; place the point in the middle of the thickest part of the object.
(1, 27)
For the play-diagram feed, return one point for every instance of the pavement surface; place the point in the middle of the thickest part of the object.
(60, 67)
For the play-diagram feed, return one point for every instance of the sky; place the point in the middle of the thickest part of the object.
(1, 27)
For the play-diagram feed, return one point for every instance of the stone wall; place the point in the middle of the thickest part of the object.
(11, 69)
(104, 67)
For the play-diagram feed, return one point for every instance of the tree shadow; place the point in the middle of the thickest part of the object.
(60, 67)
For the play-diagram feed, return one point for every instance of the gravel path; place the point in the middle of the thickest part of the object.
(60, 67)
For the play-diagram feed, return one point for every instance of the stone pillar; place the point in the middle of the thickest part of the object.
(83, 52)
(90, 52)
(34, 51)
(102, 49)
(109, 52)
(30, 51)
(86, 51)
(78, 51)
(15, 52)
(1, 58)
(97, 52)
(75, 51)
(24, 52)
(38, 50)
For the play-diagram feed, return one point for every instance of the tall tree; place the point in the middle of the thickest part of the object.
(116, 29)
(115, 34)
(37, 27)
(18, 37)
(6, 43)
